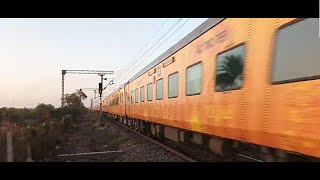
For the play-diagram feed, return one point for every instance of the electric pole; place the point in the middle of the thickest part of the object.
(91, 104)
(100, 92)
(100, 95)
(64, 72)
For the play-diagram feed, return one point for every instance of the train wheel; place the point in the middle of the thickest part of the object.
(136, 127)
(131, 123)
(154, 131)
(147, 129)
(141, 127)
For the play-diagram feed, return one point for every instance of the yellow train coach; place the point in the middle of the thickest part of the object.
(231, 84)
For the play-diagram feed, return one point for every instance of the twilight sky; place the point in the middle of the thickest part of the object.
(34, 51)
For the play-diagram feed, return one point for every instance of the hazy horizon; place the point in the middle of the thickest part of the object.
(34, 51)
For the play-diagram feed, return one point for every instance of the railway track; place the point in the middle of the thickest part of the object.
(239, 156)
(248, 158)
(177, 153)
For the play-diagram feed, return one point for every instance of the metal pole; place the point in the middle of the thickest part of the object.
(100, 99)
(62, 93)
(9, 147)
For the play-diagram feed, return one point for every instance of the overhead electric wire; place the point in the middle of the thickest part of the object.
(167, 32)
(146, 45)
(162, 43)
(148, 41)
(124, 75)
(158, 46)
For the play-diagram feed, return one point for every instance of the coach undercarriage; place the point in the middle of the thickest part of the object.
(221, 146)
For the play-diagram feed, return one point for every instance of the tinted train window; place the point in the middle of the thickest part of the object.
(132, 96)
(142, 94)
(297, 52)
(159, 89)
(173, 85)
(137, 96)
(194, 79)
(229, 69)
(149, 89)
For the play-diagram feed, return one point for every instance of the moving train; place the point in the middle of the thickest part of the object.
(232, 84)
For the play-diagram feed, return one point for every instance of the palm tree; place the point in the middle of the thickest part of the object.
(229, 73)
(81, 94)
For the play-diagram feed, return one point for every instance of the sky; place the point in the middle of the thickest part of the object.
(34, 51)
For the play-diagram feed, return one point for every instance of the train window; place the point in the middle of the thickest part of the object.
(149, 92)
(297, 52)
(229, 69)
(132, 96)
(159, 89)
(194, 79)
(142, 94)
(137, 96)
(173, 85)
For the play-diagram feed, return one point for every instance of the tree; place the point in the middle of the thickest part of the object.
(44, 111)
(74, 103)
(60, 112)
(1, 114)
(82, 95)
(229, 73)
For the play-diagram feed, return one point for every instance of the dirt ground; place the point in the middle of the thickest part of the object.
(117, 144)
(86, 137)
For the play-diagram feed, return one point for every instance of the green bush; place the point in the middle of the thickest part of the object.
(74, 107)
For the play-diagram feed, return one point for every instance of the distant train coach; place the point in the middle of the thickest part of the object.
(232, 84)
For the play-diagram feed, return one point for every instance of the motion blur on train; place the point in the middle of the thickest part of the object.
(231, 85)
